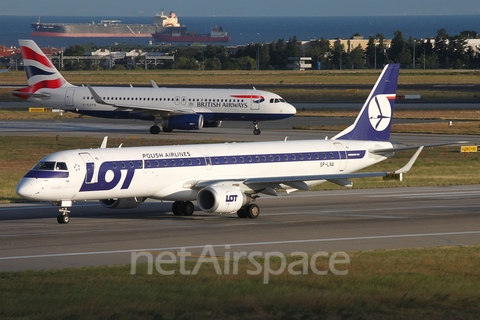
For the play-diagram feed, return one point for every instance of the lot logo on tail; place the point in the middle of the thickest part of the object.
(380, 112)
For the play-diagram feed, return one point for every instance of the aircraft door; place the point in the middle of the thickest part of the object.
(208, 162)
(342, 156)
(90, 176)
(184, 100)
(69, 97)
(177, 100)
(255, 102)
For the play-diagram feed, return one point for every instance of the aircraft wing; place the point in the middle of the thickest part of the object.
(154, 111)
(299, 182)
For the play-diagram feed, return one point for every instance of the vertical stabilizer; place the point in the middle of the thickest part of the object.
(41, 73)
(375, 119)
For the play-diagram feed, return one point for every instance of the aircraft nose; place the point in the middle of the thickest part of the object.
(25, 189)
(291, 109)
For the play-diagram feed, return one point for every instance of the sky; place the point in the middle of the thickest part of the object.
(239, 8)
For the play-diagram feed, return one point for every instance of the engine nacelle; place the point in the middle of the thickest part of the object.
(183, 122)
(123, 203)
(220, 199)
(212, 124)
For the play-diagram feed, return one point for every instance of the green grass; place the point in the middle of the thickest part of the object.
(432, 283)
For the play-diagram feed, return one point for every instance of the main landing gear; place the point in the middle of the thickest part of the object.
(156, 129)
(256, 131)
(183, 208)
(63, 217)
(251, 211)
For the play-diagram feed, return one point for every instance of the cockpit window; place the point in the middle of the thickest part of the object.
(45, 165)
(277, 100)
(50, 166)
(61, 166)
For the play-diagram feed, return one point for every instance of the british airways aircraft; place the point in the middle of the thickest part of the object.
(221, 178)
(170, 108)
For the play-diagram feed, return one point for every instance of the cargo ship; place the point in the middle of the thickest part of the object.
(109, 28)
(217, 34)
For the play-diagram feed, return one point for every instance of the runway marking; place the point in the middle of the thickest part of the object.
(433, 194)
(342, 213)
(56, 255)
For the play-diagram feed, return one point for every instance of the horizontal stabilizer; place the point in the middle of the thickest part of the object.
(404, 148)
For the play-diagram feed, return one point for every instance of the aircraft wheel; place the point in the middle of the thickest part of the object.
(188, 208)
(242, 212)
(154, 129)
(253, 211)
(177, 208)
(63, 218)
(256, 132)
(167, 129)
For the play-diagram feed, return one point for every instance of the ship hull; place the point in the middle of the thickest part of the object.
(99, 30)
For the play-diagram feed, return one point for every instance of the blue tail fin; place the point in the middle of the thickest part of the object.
(375, 119)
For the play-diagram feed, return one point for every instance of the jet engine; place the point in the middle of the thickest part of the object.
(123, 203)
(220, 199)
(183, 122)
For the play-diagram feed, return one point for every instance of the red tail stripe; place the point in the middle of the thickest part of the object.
(247, 96)
(28, 53)
(50, 84)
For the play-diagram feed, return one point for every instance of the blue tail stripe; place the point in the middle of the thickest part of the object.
(34, 71)
(375, 119)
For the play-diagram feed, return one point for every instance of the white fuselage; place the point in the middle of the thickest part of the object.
(171, 172)
(213, 104)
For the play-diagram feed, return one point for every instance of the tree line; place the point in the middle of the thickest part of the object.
(440, 52)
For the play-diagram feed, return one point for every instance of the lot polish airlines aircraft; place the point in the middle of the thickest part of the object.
(171, 108)
(222, 178)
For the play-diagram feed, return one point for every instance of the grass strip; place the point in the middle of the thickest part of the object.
(429, 283)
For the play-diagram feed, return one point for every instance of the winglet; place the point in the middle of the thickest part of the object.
(96, 97)
(104, 143)
(154, 84)
(410, 163)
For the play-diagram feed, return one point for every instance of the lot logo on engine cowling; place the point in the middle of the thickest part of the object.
(231, 198)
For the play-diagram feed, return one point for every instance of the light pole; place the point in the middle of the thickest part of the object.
(413, 60)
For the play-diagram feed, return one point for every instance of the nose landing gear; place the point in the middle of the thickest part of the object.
(256, 131)
(63, 217)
